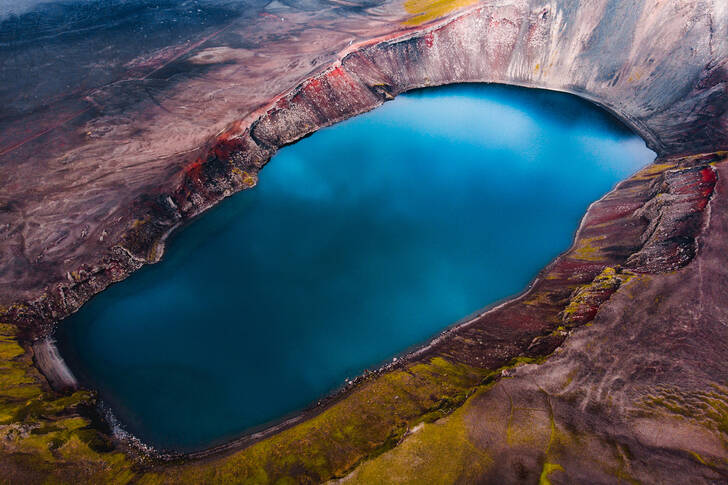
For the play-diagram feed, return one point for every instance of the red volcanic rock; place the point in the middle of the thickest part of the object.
(106, 161)
(675, 215)
(640, 394)
(570, 291)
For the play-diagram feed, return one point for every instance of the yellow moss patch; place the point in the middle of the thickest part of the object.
(548, 468)
(9, 349)
(248, 179)
(608, 279)
(369, 421)
(13, 377)
(652, 170)
(707, 408)
(41, 432)
(426, 10)
(47, 429)
(136, 223)
(587, 249)
(438, 452)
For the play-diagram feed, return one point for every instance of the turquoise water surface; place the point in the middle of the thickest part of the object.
(359, 242)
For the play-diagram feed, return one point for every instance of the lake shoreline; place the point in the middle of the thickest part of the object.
(208, 178)
(547, 338)
(476, 184)
(623, 192)
(230, 161)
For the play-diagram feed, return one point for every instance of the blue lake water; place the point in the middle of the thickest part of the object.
(359, 242)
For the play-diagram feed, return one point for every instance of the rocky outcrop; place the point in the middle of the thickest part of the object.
(637, 396)
(662, 72)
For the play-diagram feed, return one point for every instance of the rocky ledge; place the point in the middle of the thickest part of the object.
(632, 318)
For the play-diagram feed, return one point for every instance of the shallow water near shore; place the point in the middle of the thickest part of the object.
(359, 242)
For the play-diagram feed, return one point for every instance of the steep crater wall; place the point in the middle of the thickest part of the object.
(660, 67)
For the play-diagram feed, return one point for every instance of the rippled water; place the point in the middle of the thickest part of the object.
(359, 242)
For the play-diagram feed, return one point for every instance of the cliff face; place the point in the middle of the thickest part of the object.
(636, 391)
(129, 169)
(643, 65)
